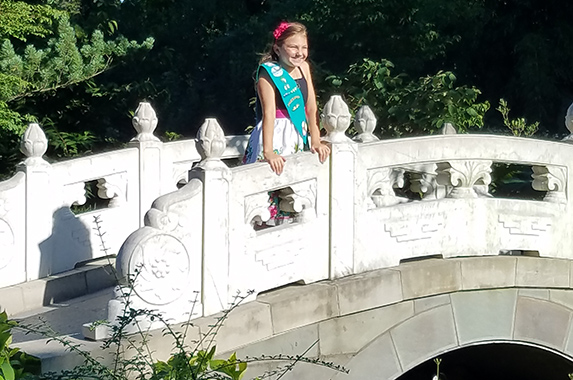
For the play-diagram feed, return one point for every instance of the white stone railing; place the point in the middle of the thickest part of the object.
(199, 241)
(39, 234)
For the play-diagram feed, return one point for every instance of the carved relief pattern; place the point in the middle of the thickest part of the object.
(113, 187)
(424, 181)
(257, 208)
(463, 176)
(524, 225)
(170, 211)
(552, 179)
(278, 259)
(162, 268)
(414, 229)
(381, 184)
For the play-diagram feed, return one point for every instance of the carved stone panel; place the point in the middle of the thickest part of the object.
(423, 180)
(161, 266)
(381, 184)
(465, 177)
(526, 225)
(408, 230)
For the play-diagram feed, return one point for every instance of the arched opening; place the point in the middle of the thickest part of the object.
(495, 361)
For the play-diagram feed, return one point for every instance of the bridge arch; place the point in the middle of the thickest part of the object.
(382, 324)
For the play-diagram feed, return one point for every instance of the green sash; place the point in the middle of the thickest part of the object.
(291, 96)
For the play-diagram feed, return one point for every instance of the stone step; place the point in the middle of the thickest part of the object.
(87, 278)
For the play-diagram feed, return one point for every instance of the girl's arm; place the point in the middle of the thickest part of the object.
(266, 92)
(312, 116)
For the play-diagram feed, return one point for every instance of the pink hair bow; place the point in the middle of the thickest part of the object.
(280, 29)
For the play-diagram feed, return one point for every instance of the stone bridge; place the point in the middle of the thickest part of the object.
(399, 251)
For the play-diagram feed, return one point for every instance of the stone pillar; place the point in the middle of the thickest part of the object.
(336, 120)
(150, 158)
(41, 202)
(216, 178)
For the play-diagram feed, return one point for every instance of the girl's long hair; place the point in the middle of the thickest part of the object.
(293, 28)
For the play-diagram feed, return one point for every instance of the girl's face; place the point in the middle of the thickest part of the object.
(293, 51)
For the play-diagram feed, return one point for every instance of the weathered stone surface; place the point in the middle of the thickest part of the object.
(424, 336)
(488, 272)
(378, 360)
(423, 304)
(351, 333)
(562, 297)
(542, 294)
(294, 342)
(12, 300)
(246, 324)
(368, 290)
(295, 307)
(483, 315)
(541, 322)
(536, 272)
(428, 277)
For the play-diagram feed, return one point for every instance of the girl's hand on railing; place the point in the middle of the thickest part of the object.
(321, 149)
(277, 162)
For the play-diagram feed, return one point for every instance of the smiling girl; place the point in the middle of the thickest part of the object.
(286, 102)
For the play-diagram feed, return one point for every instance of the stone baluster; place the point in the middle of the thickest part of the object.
(423, 177)
(381, 184)
(41, 201)
(343, 161)
(300, 198)
(114, 188)
(423, 180)
(151, 173)
(216, 178)
(365, 123)
(468, 179)
(552, 179)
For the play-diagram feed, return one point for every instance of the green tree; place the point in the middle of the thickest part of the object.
(57, 60)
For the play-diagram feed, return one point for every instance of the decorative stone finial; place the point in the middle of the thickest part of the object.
(569, 119)
(336, 119)
(145, 122)
(365, 123)
(34, 144)
(448, 129)
(211, 140)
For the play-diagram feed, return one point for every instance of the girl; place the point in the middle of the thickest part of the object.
(286, 103)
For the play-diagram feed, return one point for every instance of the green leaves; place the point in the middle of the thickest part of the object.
(405, 106)
(232, 368)
(200, 365)
(19, 20)
(519, 126)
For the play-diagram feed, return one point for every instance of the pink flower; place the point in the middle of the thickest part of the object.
(280, 29)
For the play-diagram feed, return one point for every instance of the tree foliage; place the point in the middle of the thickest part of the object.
(407, 107)
(205, 54)
(32, 71)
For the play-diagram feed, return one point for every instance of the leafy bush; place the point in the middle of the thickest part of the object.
(405, 106)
